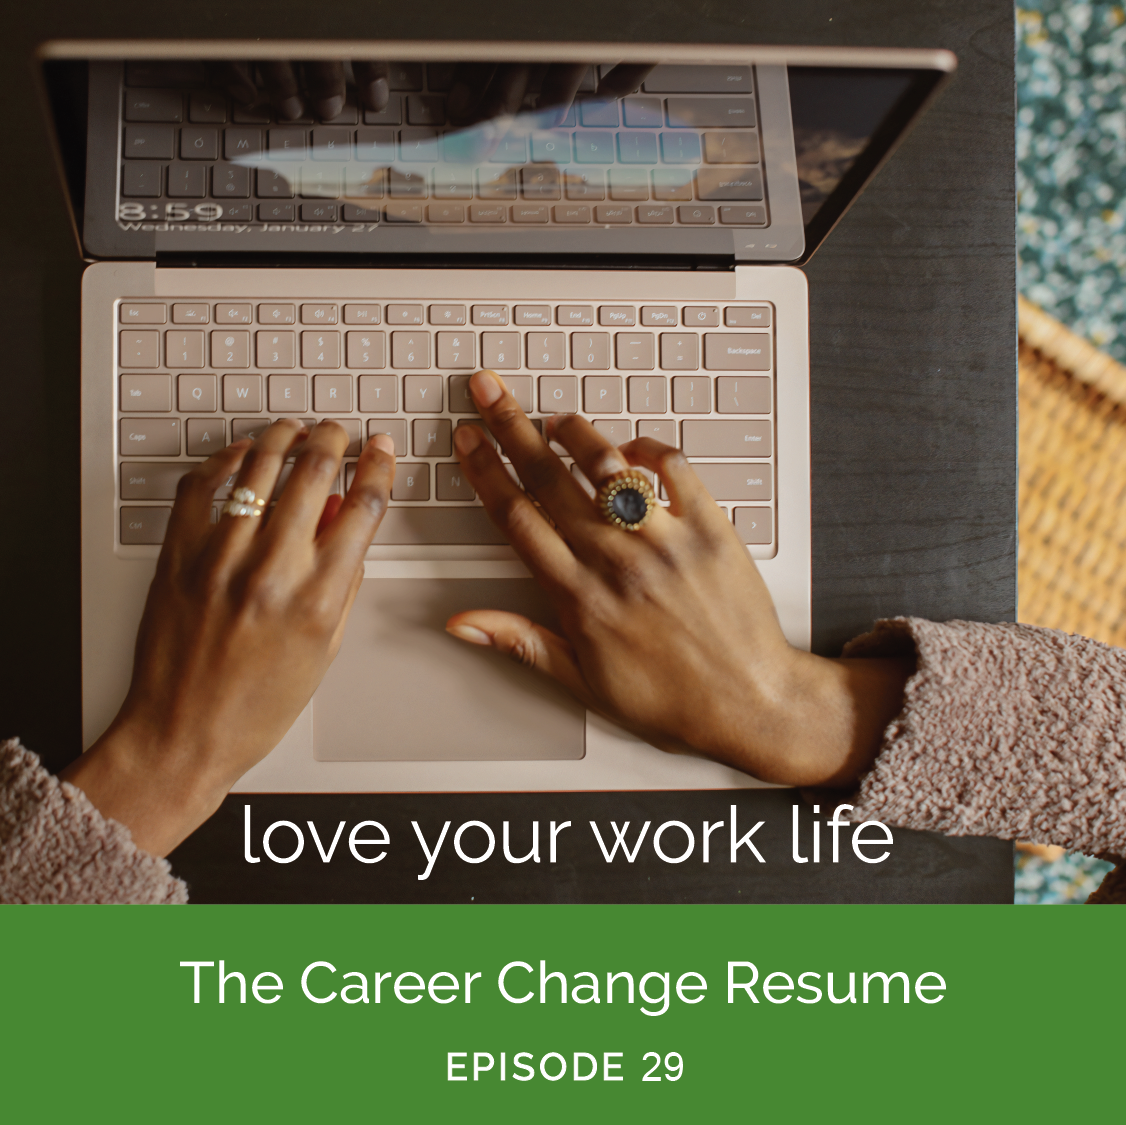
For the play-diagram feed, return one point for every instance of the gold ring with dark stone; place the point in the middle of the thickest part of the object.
(627, 500)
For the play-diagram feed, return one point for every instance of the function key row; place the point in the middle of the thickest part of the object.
(575, 316)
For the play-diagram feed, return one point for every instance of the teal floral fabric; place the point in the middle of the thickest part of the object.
(1071, 165)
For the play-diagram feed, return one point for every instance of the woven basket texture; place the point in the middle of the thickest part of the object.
(1071, 565)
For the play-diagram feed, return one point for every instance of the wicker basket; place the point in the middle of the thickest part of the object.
(1071, 565)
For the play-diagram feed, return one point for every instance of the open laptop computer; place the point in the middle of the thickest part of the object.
(629, 257)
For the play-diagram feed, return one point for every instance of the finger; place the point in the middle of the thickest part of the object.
(560, 85)
(237, 78)
(466, 89)
(686, 492)
(284, 92)
(316, 470)
(189, 526)
(324, 82)
(373, 84)
(525, 642)
(540, 470)
(331, 508)
(623, 79)
(343, 544)
(544, 553)
(505, 93)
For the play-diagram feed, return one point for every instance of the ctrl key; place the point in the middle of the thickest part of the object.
(144, 525)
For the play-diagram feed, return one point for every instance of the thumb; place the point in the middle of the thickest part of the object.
(525, 642)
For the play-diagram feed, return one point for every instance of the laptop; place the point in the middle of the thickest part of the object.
(615, 228)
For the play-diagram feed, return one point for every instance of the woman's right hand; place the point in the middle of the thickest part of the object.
(668, 631)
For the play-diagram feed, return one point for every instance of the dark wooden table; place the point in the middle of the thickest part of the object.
(914, 436)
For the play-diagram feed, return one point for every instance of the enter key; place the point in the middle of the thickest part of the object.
(729, 438)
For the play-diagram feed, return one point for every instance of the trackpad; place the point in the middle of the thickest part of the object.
(402, 689)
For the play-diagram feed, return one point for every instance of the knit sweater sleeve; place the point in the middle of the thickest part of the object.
(1006, 730)
(55, 847)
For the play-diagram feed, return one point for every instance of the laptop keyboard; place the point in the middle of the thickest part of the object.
(194, 374)
(683, 151)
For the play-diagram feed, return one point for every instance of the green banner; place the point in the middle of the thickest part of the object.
(530, 1013)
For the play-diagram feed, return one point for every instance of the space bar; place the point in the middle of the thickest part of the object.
(406, 526)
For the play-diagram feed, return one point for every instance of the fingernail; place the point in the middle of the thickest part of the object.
(384, 442)
(467, 438)
(486, 388)
(331, 107)
(378, 95)
(291, 109)
(470, 634)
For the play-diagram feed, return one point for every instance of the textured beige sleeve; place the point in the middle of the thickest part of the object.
(55, 847)
(1006, 730)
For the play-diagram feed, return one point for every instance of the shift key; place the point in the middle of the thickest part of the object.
(747, 481)
(152, 480)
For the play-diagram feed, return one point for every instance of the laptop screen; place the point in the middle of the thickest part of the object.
(403, 155)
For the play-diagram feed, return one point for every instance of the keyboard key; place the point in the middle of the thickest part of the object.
(482, 213)
(617, 431)
(252, 428)
(332, 393)
(634, 351)
(146, 392)
(559, 394)
(703, 316)
(142, 180)
(379, 394)
(353, 427)
(362, 314)
(354, 213)
(143, 314)
(276, 213)
(621, 315)
(412, 482)
(643, 113)
(197, 393)
(457, 350)
(229, 181)
(696, 215)
(207, 108)
(332, 144)
(153, 480)
(394, 428)
(737, 351)
(149, 437)
(726, 439)
(749, 394)
(431, 437)
(410, 349)
(183, 349)
(648, 394)
(587, 185)
(242, 144)
(275, 349)
(529, 213)
(532, 315)
(403, 212)
(459, 401)
(481, 429)
(318, 212)
(149, 142)
(659, 316)
(752, 317)
(319, 314)
(541, 181)
(187, 181)
(547, 351)
(671, 183)
(599, 113)
(698, 78)
(602, 394)
(445, 213)
(365, 349)
(375, 145)
(234, 314)
(447, 314)
(652, 214)
(590, 351)
(731, 148)
(286, 144)
(288, 394)
(422, 394)
(639, 148)
(594, 148)
(191, 314)
(413, 526)
(320, 349)
(144, 525)
(754, 525)
(659, 429)
(154, 105)
(490, 314)
(496, 185)
(500, 351)
(205, 436)
(613, 213)
(418, 146)
(404, 314)
(551, 148)
(242, 392)
(391, 114)
(238, 212)
(230, 349)
(692, 395)
(578, 316)
(199, 144)
(140, 349)
(511, 149)
(521, 388)
(452, 484)
(277, 314)
(570, 213)
(729, 182)
(746, 481)
(695, 113)
(426, 109)
(680, 148)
